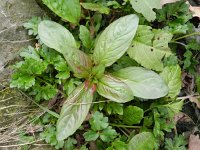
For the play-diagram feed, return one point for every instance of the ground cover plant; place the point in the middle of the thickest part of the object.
(111, 72)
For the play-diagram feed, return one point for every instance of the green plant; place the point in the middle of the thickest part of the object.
(100, 129)
(121, 81)
(178, 143)
(110, 46)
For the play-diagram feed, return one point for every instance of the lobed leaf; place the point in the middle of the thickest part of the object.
(69, 10)
(149, 47)
(146, 8)
(74, 111)
(142, 141)
(115, 40)
(172, 77)
(143, 83)
(114, 89)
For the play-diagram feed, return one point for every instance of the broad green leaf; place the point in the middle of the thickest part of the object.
(176, 107)
(143, 83)
(96, 7)
(114, 89)
(132, 115)
(79, 62)
(69, 10)
(85, 37)
(74, 111)
(146, 8)
(172, 77)
(59, 38)
(115, 40)
(149, 47)
(55, 36)
(142, 141)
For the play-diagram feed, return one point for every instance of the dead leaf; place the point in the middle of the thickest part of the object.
(195, 10)
(182, 117)
(194, 142)
(163, 2)
(195, 100)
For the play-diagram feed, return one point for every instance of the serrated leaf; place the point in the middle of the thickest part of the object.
(172, 77)
(96, 7)
(85, 37)
(149, 47)
(146, 8)
(115, 40)
(114, 108)
(132, 115)
(176, 107)
(143, 83)
(22, 81)
(114, 89)
(55, 36)
(44, 92)
(69, 10)
(177, 143)
(91, 135)
(98, 121)
(74, 111)
(32, 66)
(108, 134)
(32, 26)
(69, 144)
(63, 75)
(30, 52)
(142, 141)
(118, 145)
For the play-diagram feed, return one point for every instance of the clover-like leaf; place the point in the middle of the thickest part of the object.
(115, 40)
(74, 111)
(69, 10)
(150, 47)
(142, 141)
(114, 89)
(143, 83)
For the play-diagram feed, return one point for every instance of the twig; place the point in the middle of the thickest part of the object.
(17, 145)
(188, 35)
(124, 126)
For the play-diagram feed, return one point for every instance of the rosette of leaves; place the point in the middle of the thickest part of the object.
(121, 86)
